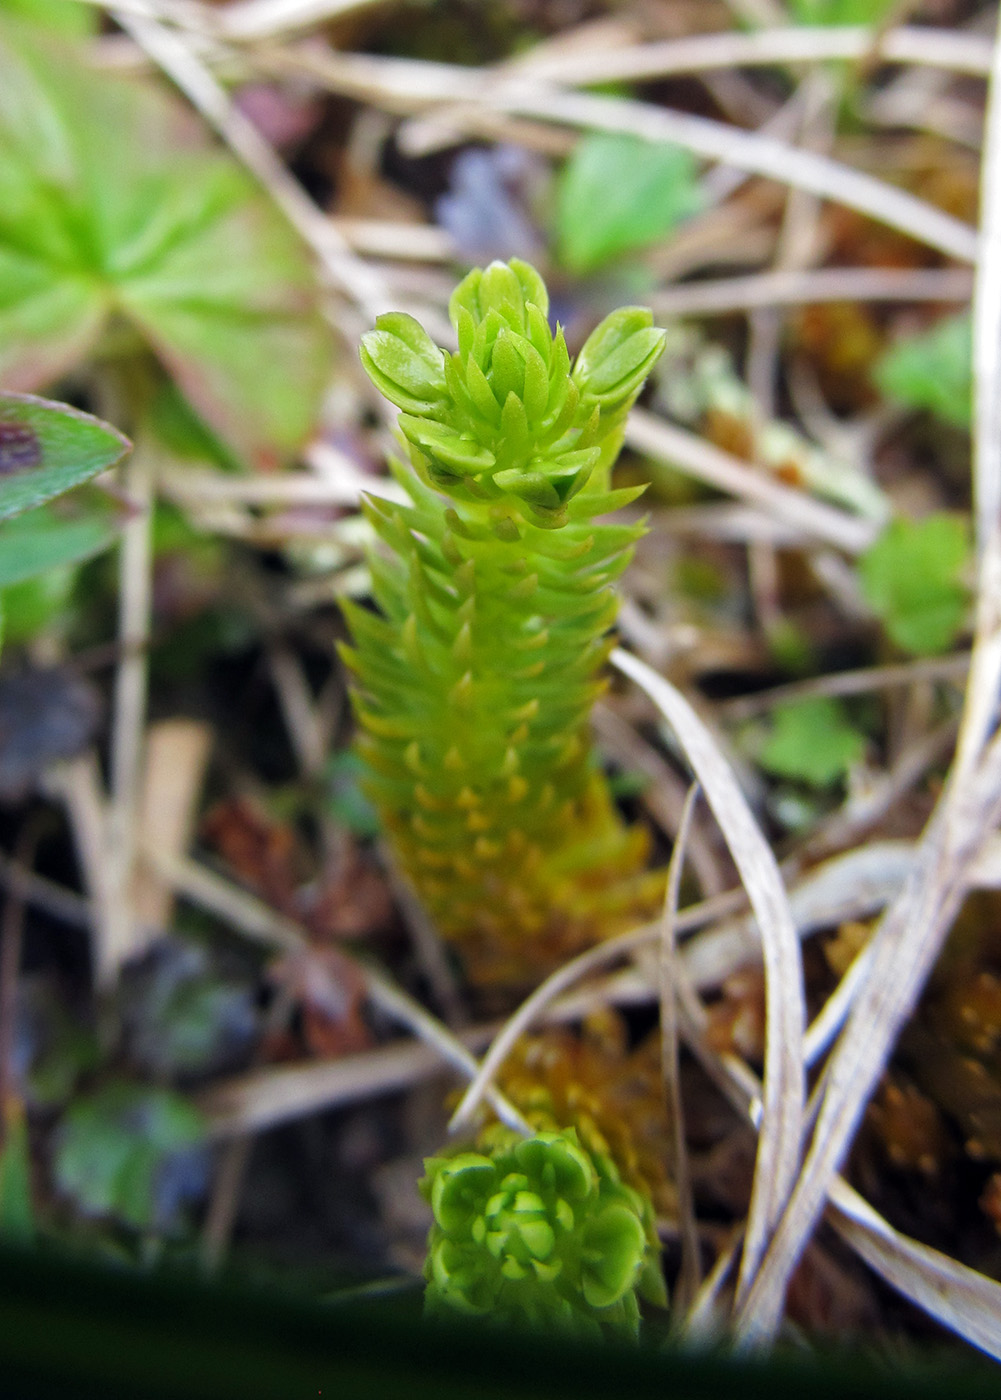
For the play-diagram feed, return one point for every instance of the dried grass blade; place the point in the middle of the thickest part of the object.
(968, 53)
(987, 325)
(648, 433)
(784, 1086)
(962, 1299)
(985, 668)
(852, 886)
(985, 665)
(904, 949)
(563, 978)
(909, 938)
(762, 155)
(402, 84)
(690, 1273)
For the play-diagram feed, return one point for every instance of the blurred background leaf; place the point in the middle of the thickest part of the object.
(66, 17)
(912, 578)
(840, 11)
(933, 371)
(114, 208)
(812, 741)
(17, 1224)
(618, 193)
(121, 1150)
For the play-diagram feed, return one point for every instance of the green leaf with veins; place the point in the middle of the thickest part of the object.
(114, 206)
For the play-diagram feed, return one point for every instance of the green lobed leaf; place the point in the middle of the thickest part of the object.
(618, 193)
(913, 578)
(114, 203)
(48, 448)
(933, 370)
(112, 1144)
(812, 741)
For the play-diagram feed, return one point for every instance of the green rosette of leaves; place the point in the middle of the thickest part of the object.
(475, 680)
(538, 1232)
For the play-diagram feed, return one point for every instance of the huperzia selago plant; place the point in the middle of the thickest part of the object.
(473, 688)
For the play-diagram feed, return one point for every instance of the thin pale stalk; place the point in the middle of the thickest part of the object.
(784, 1091)
(690, 1273)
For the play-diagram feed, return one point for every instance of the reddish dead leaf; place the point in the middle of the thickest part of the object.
(330, 991)
(353, 899)
(737, 1021)
(259, 851)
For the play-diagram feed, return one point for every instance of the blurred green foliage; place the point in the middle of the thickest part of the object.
(617, 194)
(933, 371)
(913, 579)
(812, 741)
(347, 802)
(17, 1221)
(47, 449)
(115, 1146)
(840, 11)
(67, 17)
